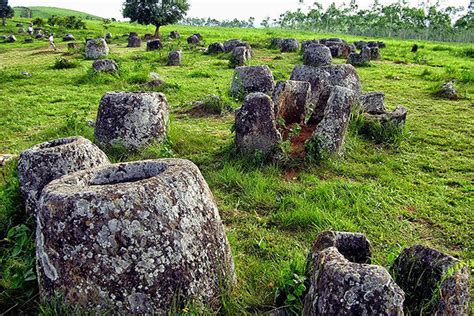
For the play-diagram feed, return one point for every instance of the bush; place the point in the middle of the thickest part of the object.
(314, 150)
(63, 63)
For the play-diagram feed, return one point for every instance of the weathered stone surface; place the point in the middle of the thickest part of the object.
(345, 76)
(434, 283)
(28, 40)
(355, 247)
(215, 48)
(174, 58)
(239, 56)
(289, 45)
(448, 91)
(198, 35)
(396, 118)
(174, 34)
(105, 65)
(336, 50)
(48, 161)
(96, 49)
(108, 36)
(276, 43)
(375, 53)
(360, 59)
(153, 44)
(331, 131)
(318, 78)
(132, 120)
(372, 102)
(134, 41)
(193, 40)
(133, 34)
(148, 37)
(341, 287)
(11, 39)
(306, 44)
(72, 46)
(255, 126)
(39, 36)
(317, 55)
(69, 37)
(132, 238)
(233, 43)
(252, 79)
(291, 101)
(4, 158)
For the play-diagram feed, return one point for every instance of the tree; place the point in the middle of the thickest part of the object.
(155, 12)
(6, 12)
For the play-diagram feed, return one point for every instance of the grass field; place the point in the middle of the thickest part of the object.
(47, 12)
(418, 192)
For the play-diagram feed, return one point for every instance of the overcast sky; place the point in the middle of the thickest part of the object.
(219, 9)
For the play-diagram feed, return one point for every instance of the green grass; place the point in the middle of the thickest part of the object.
(47, 12)
(419, 192)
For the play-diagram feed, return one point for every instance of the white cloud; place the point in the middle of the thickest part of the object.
(220, 9)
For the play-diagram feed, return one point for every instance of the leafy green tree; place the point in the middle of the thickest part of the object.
(6, 12)
(155, 12)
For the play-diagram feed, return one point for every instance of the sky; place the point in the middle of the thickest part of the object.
(219, 9)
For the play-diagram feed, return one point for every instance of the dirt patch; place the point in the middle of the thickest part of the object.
(297, 139)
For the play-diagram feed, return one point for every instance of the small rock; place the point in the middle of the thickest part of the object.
(132, 120)
(239, 56)
(4, 158)
(276, 43)
(72, 46)
(289, 45)
(148, 37)
(28, 40)
(291, 100)
(108, 36)
(26, 74)
(215, 48)
(255, 126)
(372, 103)
(134, 41)
(198, 35)
(11, 39)
(69, 37)
(233, 43)
(105, 65)
(317, 55)
(434, 283)
(96, 49)
(396, 118)
(250, 79)
(193, 41)
(375, 53)
(174, 34)
(448, 91)
(45, 162)
(21, 30)
(174, 58)
(153, 44)
(306, 44)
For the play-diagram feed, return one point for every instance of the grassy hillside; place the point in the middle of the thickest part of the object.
(419, 192)
(47, 12)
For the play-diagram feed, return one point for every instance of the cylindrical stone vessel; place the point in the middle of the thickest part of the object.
(131, 119)
(48, 161)
(132, 238)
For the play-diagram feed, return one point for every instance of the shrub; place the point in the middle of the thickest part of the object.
(314, 150)
(291, 288)
(63, 63)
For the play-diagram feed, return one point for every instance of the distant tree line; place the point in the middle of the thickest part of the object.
(394, 20)
(250, 23)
